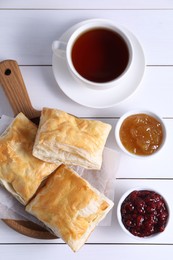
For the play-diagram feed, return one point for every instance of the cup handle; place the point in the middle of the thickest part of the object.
(59, 48)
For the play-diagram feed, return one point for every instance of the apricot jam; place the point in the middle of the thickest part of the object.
(144, 213)
(141, 134)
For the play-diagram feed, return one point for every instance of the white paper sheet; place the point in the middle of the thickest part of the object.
(103, 180)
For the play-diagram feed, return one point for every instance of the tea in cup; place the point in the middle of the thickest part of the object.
(98, 53)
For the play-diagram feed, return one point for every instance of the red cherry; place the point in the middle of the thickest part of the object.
(144, 213)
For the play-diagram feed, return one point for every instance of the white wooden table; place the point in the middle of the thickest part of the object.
(27, 29)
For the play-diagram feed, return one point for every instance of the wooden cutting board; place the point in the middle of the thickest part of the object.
(14, 87)
(29, 229)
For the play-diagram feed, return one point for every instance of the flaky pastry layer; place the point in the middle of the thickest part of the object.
(20, 172)
(64, 138)
(69, 206)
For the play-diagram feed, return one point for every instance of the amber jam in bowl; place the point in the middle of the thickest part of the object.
(140, 133)
(143, 213)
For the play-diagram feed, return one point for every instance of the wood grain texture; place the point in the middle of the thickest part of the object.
(29, 229)
(15, 90)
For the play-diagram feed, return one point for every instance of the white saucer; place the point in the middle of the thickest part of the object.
(99, 98)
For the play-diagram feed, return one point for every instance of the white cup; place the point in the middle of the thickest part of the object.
(64, 50)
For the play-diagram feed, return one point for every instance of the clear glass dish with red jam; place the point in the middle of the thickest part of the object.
(143, 213)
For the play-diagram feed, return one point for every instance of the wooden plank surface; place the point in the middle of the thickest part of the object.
(45, 252)
(87, 4)
(154, 94)
(27, 31)
(113, 233)
(27, 35)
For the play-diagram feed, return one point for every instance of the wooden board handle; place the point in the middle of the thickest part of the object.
(14, 87)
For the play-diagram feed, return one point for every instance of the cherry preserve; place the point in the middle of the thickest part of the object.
(144, 213)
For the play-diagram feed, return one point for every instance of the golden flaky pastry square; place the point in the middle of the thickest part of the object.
(69, 206)
(62, 137)
(20, 172)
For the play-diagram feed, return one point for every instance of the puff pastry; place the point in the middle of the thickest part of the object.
(20, 172)
(69, 206)
(73, 141)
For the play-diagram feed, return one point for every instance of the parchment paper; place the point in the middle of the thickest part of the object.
(103, 180)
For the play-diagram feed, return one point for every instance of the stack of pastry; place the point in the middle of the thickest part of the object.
(35, 168)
